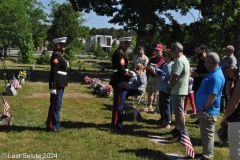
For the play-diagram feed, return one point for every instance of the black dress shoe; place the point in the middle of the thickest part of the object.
(174, 132)
(54, 130)
(120, 127)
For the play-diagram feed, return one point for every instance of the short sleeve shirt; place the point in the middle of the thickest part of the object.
(213, 83)
(181, 68)
(140, 59)
(228, 62)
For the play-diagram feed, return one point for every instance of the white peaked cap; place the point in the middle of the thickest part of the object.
(125, 39)
(60, 40)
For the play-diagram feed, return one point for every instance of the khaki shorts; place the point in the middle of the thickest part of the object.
(177, 103)
(152, 85)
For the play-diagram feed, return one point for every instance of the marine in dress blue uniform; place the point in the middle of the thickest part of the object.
(119, 81)
(57, 84)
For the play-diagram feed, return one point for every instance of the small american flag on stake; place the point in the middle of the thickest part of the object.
(6, 107)
(186, 141)
(15, 82)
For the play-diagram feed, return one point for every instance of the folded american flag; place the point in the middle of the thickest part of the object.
(186, 141)
(6, 107)
(160, 71)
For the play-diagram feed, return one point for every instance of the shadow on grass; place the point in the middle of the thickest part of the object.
(20, 128)
(129, 129)
(107, 107)
(146, 153)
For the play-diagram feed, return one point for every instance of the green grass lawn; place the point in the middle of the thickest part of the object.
(85, 119)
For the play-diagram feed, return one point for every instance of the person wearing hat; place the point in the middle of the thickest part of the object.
(57, 83)
(156, 60)
(119, 81)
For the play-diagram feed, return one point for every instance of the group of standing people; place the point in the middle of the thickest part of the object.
(211, 81)
(205, 86)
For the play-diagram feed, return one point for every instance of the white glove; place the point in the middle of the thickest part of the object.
(53, 91)
(133, 73)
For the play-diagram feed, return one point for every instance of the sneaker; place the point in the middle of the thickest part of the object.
(150, 110)
(156, 110)
(193, 116)
(177, 136)
(197, 121)
(165, 126)
(174, 132)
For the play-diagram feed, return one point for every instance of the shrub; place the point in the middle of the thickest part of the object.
(43, 59)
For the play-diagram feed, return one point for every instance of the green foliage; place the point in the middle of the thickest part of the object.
(114, 47)
(97, 50)
(67, 23)
(115, 33)
(20, 18)
(134, 15)
(43, 59)
(26, 49)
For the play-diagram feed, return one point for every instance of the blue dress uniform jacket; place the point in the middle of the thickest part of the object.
(58, 63)
(120, 75)
(58, 81)
(119, 82)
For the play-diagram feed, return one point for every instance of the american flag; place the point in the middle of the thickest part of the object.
(185, 140)
(6, 107)
(15, 83)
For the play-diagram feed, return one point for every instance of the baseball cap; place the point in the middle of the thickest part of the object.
(159, 47)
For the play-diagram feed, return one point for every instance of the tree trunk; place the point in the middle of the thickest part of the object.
(141, 33)
(5, 50)
(237, 41)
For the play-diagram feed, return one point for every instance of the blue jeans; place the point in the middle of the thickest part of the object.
(118, 105)
(165, 107)
(53, 119)
(133, 92)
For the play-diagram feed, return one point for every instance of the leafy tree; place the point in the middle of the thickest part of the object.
(67, 23)
(114, 47)
(38, 21)
(20, 26)
(221, 21)
(97, 50)
(134, 15)
(14, 23)
(93, 31)
(26, 49)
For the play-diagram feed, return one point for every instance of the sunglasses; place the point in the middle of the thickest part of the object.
(63, 44)
(154, 54)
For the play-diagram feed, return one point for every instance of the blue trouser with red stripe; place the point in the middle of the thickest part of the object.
(118, 105)
(53, 119)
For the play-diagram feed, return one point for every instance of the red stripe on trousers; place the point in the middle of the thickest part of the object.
(52, 111)
(118, 102)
